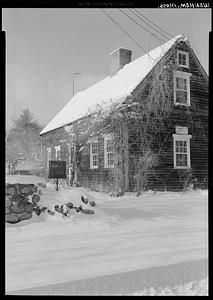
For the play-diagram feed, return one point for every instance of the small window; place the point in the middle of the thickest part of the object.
(58, 153)
(94, 154)
(182, 88)
(182, 151)
(108, 151)
(183, 59)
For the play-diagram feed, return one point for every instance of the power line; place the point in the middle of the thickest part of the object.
(135, 13)
(124, 31)
(140, 24)
(153, 23)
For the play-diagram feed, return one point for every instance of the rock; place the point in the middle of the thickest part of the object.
(12, 218)
(88, 211)
(84, 199)
(29, 207)
(50, 212)
(10, 191)
(35, 198)
(43, 209)
(37, 210)
(39, 192)
(58, 208)
(7, 210)
(15, 208)
(69, 205)
(28, 189)
(8, 200)
(25, 216)
(92, 203)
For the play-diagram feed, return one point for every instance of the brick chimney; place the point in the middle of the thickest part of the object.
(118, 59)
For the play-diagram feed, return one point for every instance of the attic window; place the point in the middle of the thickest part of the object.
(182, 88)
(183, 59)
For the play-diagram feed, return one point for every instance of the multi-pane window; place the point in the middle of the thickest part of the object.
(181, 151)
(58, 153)
(94, 154)
(48, 154)
(182, 88)
(108, 151)
(183, 59)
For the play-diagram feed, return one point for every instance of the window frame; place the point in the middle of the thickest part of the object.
(187, 58)
(183, 75)
(57, 148)
(93, 141)
(182, 137)
(108, 137)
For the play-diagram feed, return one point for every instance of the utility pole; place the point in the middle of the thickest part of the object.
(73, 83)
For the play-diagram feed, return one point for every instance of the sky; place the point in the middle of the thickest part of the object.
(44, 47)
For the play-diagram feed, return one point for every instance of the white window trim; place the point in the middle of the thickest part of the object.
(93, 140)
(187, 58)
(186, 76)
(107, 137)
(57, 148)
(182, 137)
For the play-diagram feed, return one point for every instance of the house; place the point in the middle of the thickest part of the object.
(143, 126)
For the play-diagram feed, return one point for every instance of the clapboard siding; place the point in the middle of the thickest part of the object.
(164, 176)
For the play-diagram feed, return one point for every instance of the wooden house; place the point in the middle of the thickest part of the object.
(155, 132)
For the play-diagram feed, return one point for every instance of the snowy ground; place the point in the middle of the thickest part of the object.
(126, 234)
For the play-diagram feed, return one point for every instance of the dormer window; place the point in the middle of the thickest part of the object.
(183, 59)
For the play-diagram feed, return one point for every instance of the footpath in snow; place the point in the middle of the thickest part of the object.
(126, 234)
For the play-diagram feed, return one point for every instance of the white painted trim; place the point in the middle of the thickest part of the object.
(107, 137)
(94, 140)
(184, 75)
(182, 137)
(187, 58)
(57, 148)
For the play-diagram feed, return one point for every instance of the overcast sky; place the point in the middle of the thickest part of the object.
(44, 47)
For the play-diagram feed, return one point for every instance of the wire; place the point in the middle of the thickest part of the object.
(135, 13)
(140, 25)
(124, 31)
(153, 23)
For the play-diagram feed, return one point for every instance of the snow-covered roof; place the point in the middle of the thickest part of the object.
(110, 90)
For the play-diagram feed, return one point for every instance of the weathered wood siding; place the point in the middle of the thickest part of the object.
(195, 118)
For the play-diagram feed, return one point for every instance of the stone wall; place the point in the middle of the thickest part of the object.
(20, 201)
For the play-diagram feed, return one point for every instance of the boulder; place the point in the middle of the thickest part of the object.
(69, 205)
(88, 211)
(92, 203)
(50, 212)
(8, 200)
(28, 189)
(7, 210)
(29, 207)
(35, 198)
(25, 216)
(15, 208)
(10, 190)
(37, 210)
(12, 218)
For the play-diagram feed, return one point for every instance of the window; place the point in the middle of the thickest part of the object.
(58, 153)
(71, 153)
(183, 59)
(48, 156)
(94, 154)
(48, 153)
(182, 88)
(108, 151)
(182, 151)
